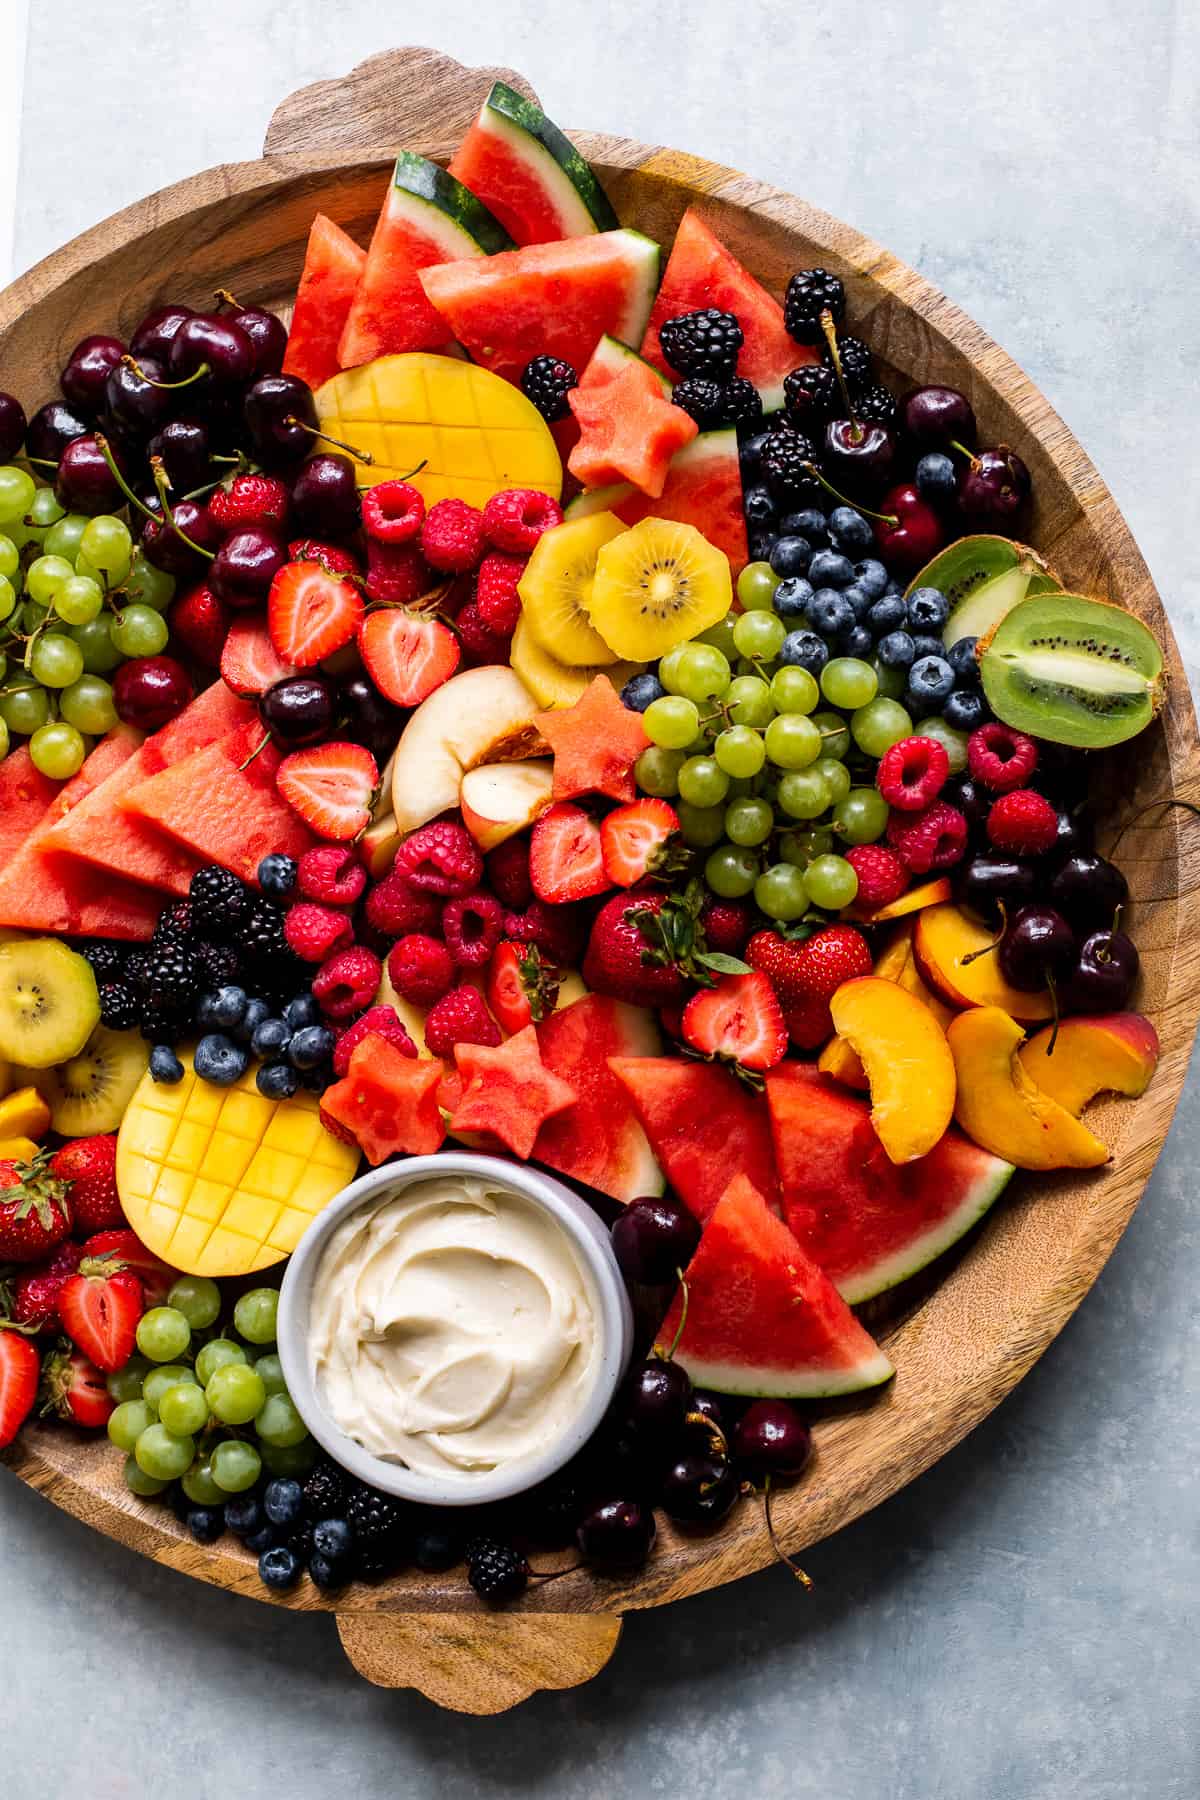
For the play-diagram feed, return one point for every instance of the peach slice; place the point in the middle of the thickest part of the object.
(947, 945)
(500, 799)
(1102, 1053)
(929, 893)
(895, 963)
(999, 1106)
(908, 1063)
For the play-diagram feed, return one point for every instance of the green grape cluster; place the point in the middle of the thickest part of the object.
(188, 1401)
(77, 599)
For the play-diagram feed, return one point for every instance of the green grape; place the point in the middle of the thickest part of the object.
(279, 1424)
(702, 781)
(954, 743)
(804, 794)
(879, 725)
(740, 751)
(78, 601)
(23, 706)
(45, 576)
(100, 654)
(127, 1423)
(198, 1299)
(720, 636)
(162, 1455)
(149, 586)
(235, 1466)
(255, 1314)
(63, 537)
(781, 893)
(215, 1355)
(17, 490)
(793, 741)
(702, 673)
(668, 668)
(759, 635)
(159, 1381)
(756, 586)
(290, 1459)
(88, 705)
(107, 546)
(270, 1370)
(3, 728)
(184, 1409)
(892, 682)
(731, 871)
(862, 816)
(57, 751)
(126, 1383)
(748, 822)
(848, 682)
(794, 690)
(832, 882)
(19, 532)
(749, 701)
(800, 847)
(8, 598)
(10, 557)
(198, 1484)
(835, 734)
(236, 1394)
(44, 511)
(671, 722)
(31, 617)
(56, 660)
(139, 631)
(837, 777)
(701, 826)
(138, 1482)
(657, 772)
(163, 1334)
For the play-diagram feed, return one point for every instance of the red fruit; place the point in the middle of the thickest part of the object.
(727, 925)
(90, 1166)
(311, 613)
(332, 787)
(566, 861)
(314, 932)
(517, 518)
(35, 1295)
(249, 500)
(472, 926)
(913, 533)
(407, 655)
(392, 512)
(377, 1021)
(249, 661)
(480, 643)
(882, 877)
(441, 858)
(521, 989)
(806, 974)
(394, 908)
(397, 574)
(632, 839)
(508, 872)
(388, 1102)
(150, 691)
(933, 839)
(332, 875)
(20, 1368)
(595, 743)
(496, 593)
(337, 561)
(459, 1017)
(739, 1019)
(34, 1212)
(421, 969)
(559, 932)
(809, 1023)
(75, 1389)
(348, 982)
(452, 536)
(157, 1277)
(615, 962)
(99, 1307)
(1000, 757)
(1023, 823)
(913, 773)
(508, 1091)
(199, 623)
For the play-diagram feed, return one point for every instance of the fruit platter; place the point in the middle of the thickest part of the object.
(598, 877)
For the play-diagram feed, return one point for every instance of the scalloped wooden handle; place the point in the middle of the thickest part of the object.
(399, 94)
(479, 1663)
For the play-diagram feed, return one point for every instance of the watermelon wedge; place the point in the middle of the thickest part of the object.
(101, 832)
(701, 272)
(762, 1317)
(703, 488)
(427, 217)
(598, 1140)
(25, 797)
(549, 299)
(529, 174)
(869, 1222)
(611, 358)
(333, 266)
(704, 1126)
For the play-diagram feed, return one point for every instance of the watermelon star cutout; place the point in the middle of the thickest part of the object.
(595, 743)
(509, 1092)
(629, 431)
(387, 1102)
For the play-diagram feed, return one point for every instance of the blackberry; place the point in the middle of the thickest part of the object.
(810, 395)
(107, 959)
(163, 1024)
(220, 965)
(169, 976)
(300, 1542)
(702, 343)
(547, 381)
(174, 923)
(743, 402)
(324, 1492)
(497, 1571)
(856, 363)
(717, 404)
(219, 902)
(875, 406)
(786, 465)
(119, 1007)
(379, 1526)
(811, 292)
(259, 930)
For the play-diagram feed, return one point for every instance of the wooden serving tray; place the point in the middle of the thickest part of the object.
(968, 1338)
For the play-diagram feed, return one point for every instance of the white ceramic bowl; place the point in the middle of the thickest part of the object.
(593, 1247)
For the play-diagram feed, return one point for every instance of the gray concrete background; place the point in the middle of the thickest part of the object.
(1021, 1623)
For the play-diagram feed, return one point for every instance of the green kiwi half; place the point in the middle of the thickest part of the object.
(1072, 670)
(49, 1005)
(983, 578)
(89, 1092)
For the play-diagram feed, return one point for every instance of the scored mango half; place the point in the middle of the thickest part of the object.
(222, 1181)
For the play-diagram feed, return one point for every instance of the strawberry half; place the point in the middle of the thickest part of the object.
(632, 837)
(99, 1308)
(19, 1370)
(311, 613)
(75, 1389)
(332, 787)
(521, 989)
(406, 655)
(565, 858)
(740, 1020)
(249, 662)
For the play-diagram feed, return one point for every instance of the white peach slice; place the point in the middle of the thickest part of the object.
(481, 716)
(500, 799)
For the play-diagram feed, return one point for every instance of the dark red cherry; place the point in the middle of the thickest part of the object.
(1105, 974)
(1087, 890)
(1037, 949)
(986, 882)
(298, 710)
(699, 1488)
(267, 334)
(858, 458)
(51, 429)
(85, 483)
(246, 565)
(971, 798)
(276, 410)
(183, 446)
(658, 1398)
(994, 486)
(166, 547)
(150, 691)
(369, 719)
(938, 417)
(87, 369)
(215, 345)
(917, 534)
(12, 426)
(136, 397)
(654, 1238)
(325, 497)
(771, 1438)
(617, 1534)
(154, 335)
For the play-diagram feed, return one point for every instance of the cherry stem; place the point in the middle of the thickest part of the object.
(105, 449)
(1150, 806)
(683, 1313)
(963, 451)
(996, 941)
(804, 1580)
(1053, 987)
(225, 298)
(830, 331)
(256, 752)
(161, 484)
(893, 519)
(131, 362)
(701, 1420)
(362, 456)
(43, 462)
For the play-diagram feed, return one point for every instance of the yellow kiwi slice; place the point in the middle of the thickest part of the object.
(555, 586)
(49, 1005)
(89, 1091)
(553, 683)
(657, 585)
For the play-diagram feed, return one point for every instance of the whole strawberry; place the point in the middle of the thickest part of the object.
(806, 973)
(90, 1166)
(34, 1296)
(629, 962)
(249, 500)
(34, 1212)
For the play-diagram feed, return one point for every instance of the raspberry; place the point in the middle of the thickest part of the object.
(315, 932)
(249, 500)
(1023, 823)
(881, 875)
(394, 908)
(508, 872)
(460, 1017)
(473, 926)
(1001, 758)
(392, 512)
(440, 859)
(481, 643)
(421, 968)
(348, 982)
(396, 574)
(452, 536)
(933, 839)
(338, 562)
(516, 519)
(332, 874)
(559, 932)
(377, 1021)
(913, 773)
(496, 596)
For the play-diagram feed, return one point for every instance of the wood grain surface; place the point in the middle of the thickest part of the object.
(960, 1339)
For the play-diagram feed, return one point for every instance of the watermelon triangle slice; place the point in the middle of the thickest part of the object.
(703, 488)
(703, 1124)
(869, 1222)
(762, 1318)
(25, 797)
(333, 266)
(529, 173)
(598, 1140)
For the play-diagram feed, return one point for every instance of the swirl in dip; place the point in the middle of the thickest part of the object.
(453, 1328)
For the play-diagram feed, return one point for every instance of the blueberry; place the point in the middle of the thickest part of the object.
(961, 657)
(758, 506)
(965, 709)
(849, 530)
(928, 609)
(256, 1011)
(434, 1550)
(262, 1539)
(283, 1501)
(181, 1506)
(856, 642)
(937, 479)
(271, 1038)
(760, 545)
(640, 690)
(750, 450)
(887, 614)
(333, 1538)
(810, 524)
(804, 650)
(244, 1516)
(871, 575)
(326, 1575)
(895, 650)
(318, 1078)
(926, 644)
(165, 1066)
(792, 596)
(277, 1081)
(219, 1060)
(894, 586)
(830, 613)
(791, 555)
(310, 1046)
(303, 1010)
(279, 1568)
(931, 681)
(858, 600)
(226, 1008)
(206, 1523)
(277, 875)
(829, 569)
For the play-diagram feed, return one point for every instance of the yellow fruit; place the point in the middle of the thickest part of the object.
(17, 1149)
(553, 683)
(221, 1181)
(24, 1114)
(475, 433)
(48, 1002)
(410, 1016)
(556, 584)
(656, 585)
(90, 1092)
(5, 1076)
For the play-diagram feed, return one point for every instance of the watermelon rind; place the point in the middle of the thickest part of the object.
(919, 1252)
(610, 357)
(550, 158)
(772, 1384)
(717, 450)
(444, 210)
